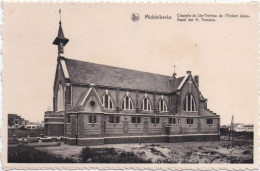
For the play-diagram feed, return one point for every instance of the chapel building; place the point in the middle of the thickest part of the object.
(99, 104)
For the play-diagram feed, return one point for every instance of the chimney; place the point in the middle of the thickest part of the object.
(196, 78)
(188, 72)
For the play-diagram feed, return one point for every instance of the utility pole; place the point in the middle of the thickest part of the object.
(231, 129)
(77, 129)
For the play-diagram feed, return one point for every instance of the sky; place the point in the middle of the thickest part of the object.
(222, 53)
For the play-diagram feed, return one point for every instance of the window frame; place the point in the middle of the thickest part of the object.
(155, 120)
(138, 119)
(210, 121)
(92, 119)
(127, 101)
(172, 119)
(190, 121)
(189, 103)
(69, 119)
(60, 102)
(162, 105)
(114, 118)
(146, 104)
(109, 101)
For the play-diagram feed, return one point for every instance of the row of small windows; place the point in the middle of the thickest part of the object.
(127, 103)
(137, 119)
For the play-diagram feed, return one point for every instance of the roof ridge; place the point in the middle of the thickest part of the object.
(123, 68)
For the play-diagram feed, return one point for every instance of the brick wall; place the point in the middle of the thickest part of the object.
(126, 128)
(155, 139)
(54, 129)
(78, 93)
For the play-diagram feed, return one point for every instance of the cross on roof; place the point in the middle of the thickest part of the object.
(60, 15)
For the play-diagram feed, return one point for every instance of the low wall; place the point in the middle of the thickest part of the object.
(141, 139)
(124, 140)
(84, 142)
(192, 138)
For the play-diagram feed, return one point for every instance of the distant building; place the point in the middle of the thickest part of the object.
(240, 127)
(32, 125)
(24, 122)
(14, 121)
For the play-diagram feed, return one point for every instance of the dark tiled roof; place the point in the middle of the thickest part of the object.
(103, 75)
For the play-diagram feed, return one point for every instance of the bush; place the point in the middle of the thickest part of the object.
(24, 132)
(26, 154)
(109, 155)
(247, 152)
(156, 152)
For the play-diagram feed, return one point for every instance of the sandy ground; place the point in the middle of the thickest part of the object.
(187, 152)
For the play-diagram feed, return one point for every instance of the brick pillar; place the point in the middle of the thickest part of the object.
(199, 125)
(172, 107)
(198, 107)
(54, 105)
(146, 126)
(178, 102)
(164, 127)
(103, 128)
(117, 100)
(154, 102)
(218, 128)
(137, 101)
(125, 126)
(170, 104)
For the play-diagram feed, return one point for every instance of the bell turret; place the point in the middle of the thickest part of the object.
(60, 40)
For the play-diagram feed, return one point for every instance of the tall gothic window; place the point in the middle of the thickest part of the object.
(60, 100)
(146, 105)
(127, 103)
(162, 105)
(189, 103)
(107, 101)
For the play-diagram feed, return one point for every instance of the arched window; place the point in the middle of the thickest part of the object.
(127, 103)
(162, 105)
(107, 101)
(60, 100)
(189, 103)
(146, 105)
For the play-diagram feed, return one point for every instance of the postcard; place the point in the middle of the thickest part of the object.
(130, 86)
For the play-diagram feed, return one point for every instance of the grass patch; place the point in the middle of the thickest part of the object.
(26, 154)
(109, 155)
